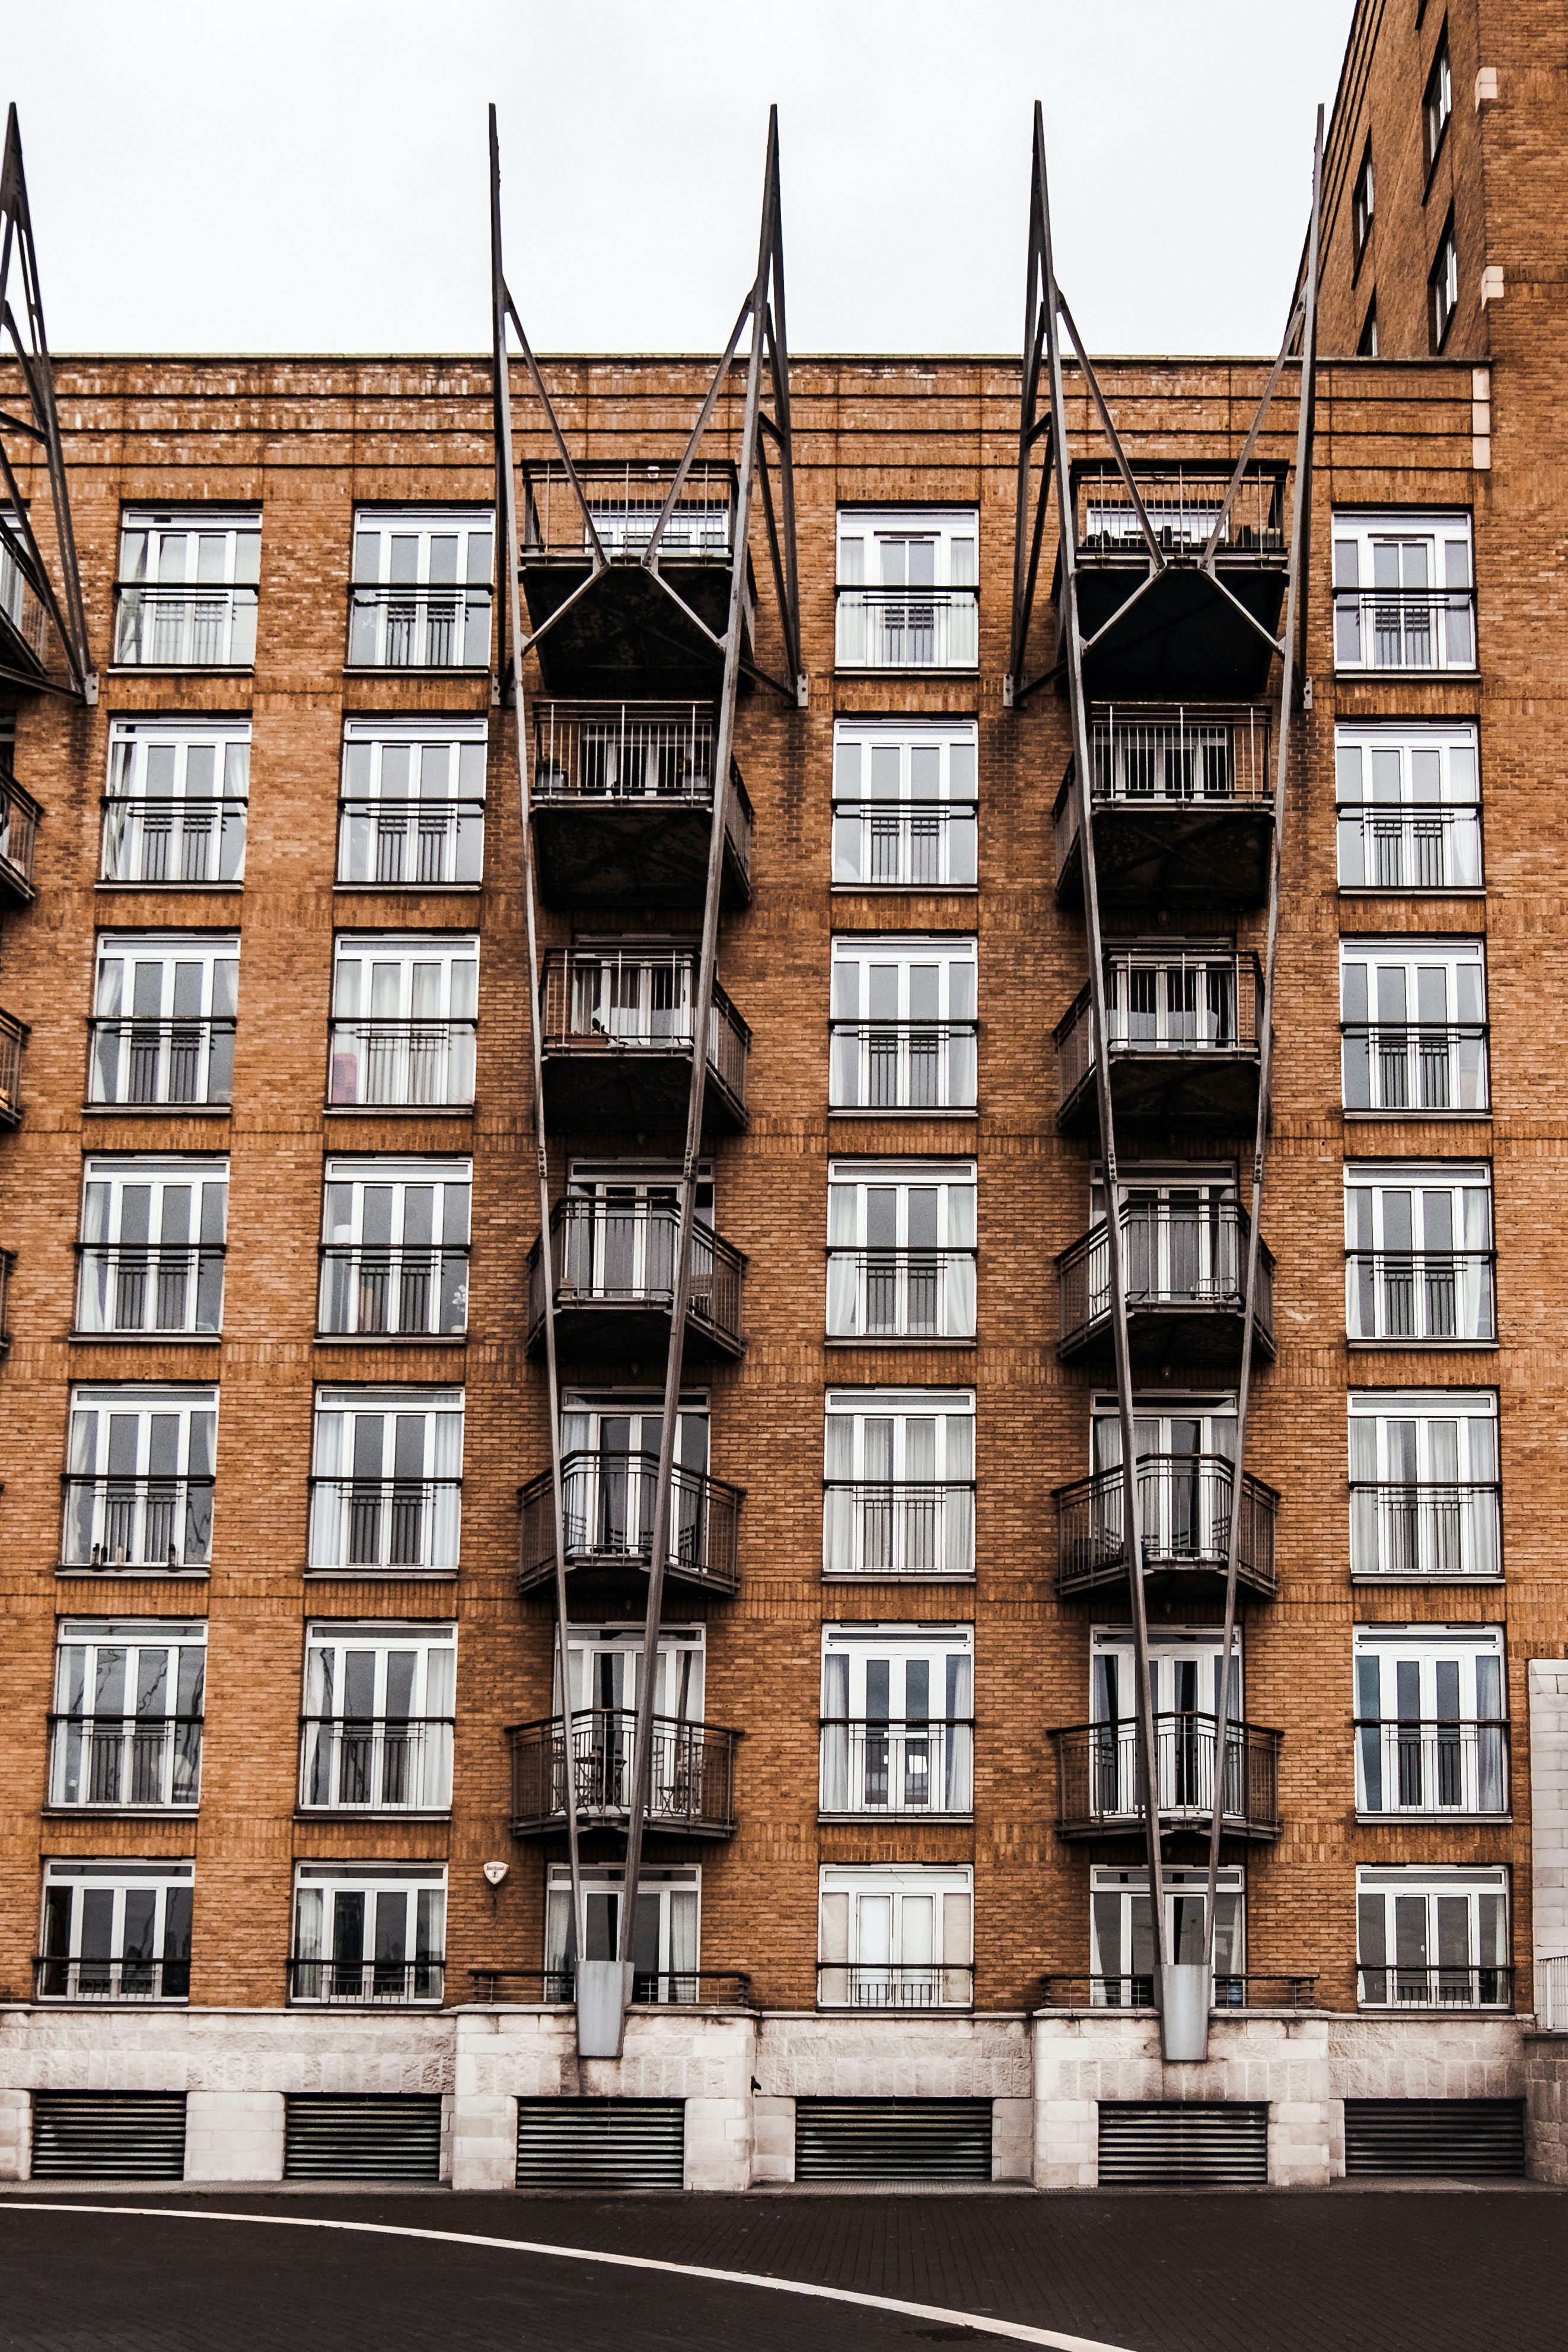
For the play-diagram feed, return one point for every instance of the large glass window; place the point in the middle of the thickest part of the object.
(150, 1257)
(900, 1938)
(897, 1734)
(899, 1483)
(421, 597)
(905, 806)
(665, 1936)
(116, 1931)
(1121, 1933)
(1186, 1672)
(1438, 98)
(1431, 1734)
(186, 596)
(1361, 204)
(903, 1024)
(412, 815)
(404, 1010)
(164, 1018)
(380, 1704)
(138, 1488)
(387, 1482)
(125, 1731)
(369, 1932)
(1429, 1938)
(394, 1247)
(1404, 592)
(175, 809)
(1424, 1497)
(1414, 1017)
(901, 1249)
(1418, 1252)
(907, 596)
(1443, 286)
(1410, 807)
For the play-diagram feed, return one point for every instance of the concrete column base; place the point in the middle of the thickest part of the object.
(718, 2144)
(234, 2135)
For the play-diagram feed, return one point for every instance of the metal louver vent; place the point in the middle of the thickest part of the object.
(892, 2139)
(601, 2143)
(1462, 2139)
(386, 2138)
(1181, 2143)
(108, 2135)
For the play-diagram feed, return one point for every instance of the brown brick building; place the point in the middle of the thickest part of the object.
(283, 1665)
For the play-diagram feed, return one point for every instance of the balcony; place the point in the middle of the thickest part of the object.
(609, 1503)
(150, 1526)
(615, 1271)
(1184, 1269)
(57, 1976)
(1408, 1532)
(617, 1032)
(125, 1291)
(19, 817)
(895, 1293)
(1431, 1767)
(880, 1770)
(1397, 631)
(908, 1065)
(1409, 846)
(367, 1984)
(1395, 1298)
(124, 1763)
(725, 1988)
(1457, 1984)
(623, 805)
(403, 1292)
(7, 1267)
(1183, 810)
(14, 1036)
(136, 1064)
(370, 1526)
(429, 844)
(419, 628)
(1227, 1992)
(380, 1764)
(1406, 1066)
(23, 625)
(177, 844)
(895, 1984)
(1100, 1784)
(1175, 631)
(1184, 1043)
(627, 631)
(1184, 1513)
(401, 1064)
(691, 1785)
(907, 628)
(903, 1527)
(184, 628)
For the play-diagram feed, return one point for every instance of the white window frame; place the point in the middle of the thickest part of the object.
(420, 623)
(1411, 625)
(158, 1976)
(905, 803)
(1419, 1289)
(180, 1056)
(421, 1055)
(668, 1899)
(883, 1753)
(375, 1519)
(1438, 1063)
(1410, 807)
(901, 1502)
(1186, 1665)
(1185, 1896)
(896, 1936)
(1438, 98)
(319, 1977)
(391, 837)
(411, 1274)
(1392, 1978)
(380, 1705)
(158, 1286)
(1444, 1525)
(118, 1510)
(944, 1268)
(605, 1665)
(166, 823)
(888, 620)
(145, 1756)
(1430, 1704)
(911, 1048)
(188, 579)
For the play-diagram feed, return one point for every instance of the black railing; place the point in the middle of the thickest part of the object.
(136, 1761)
(901, 1065)
(1183, 506)
(651, 1988)
(625, 502)
(375, 1764)
(158, 841)
(366, 1984)
(1184, 1513)
(1175, 1256)
(1405, 628)
(615, 1001)
(1101, 1778)
(609, 1499)
(907, 845)
(13, 1037)
(57, 1976)
(414, 627)
(901, 1294)
(1160, 759)
(691, 1782)
(1457, 1985)
(895, 1984)
(165, 1063)
(1416, 1065)
(1410, 845)
(19, 815)
(903, 1527)
(405, 1292)
(1164, 1007)
(401, 1064)
(125, 1287)
(641, 754)
(1423, 1764)
(21, 607)
(411, 845)
(375, 1523)
(1246, 1992)
(1393, 1294)
(1429, 1527)
(877, 1766)
(908, 628)
(184, 627)
(608, 1255)
(137, 1522)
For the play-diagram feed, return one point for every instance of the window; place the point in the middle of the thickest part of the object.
(1430, 1733)
(1185, 1452)
(901, 1249)
(126, 1732)
(116, 1931)
(404, 1010)
(164, 1018)
(1185, 1672)
(1366, 343)
(666, 1937)
(1424, 1497)
(1410, 807)
(394, 1248)
(387, 1482)
(186, 596)
(609, 1447)
(376, 1733)
(1121, 1933)
(907, 596)
(903, 1023)
(1443, 286)
(175, 809)
(421, 597)
(372, 1932)
(150, 1258)
(1437, 99)
(1404, 592)
(899, 1483)
(1412, 1013)
(896, 1938)
(138, 1488)
(905, 803)
(411, 814)
(605, 1667)
(898, 1732)
(1418, 1252)
(1432, 1939)
(688, 1767)
(1361, 205)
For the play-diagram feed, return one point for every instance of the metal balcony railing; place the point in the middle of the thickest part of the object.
(163, 1524)
(908, 628)
(125, 1762)
(604, 754)
(609, 1503)
(880, 1768)
(606, 1256)
(57, 1976)
(661, 1987)
(1428, 1765)
(895, 1984)
(1551, 1993)
(1405, 628)
(597, 1002)
(366, 1524)
(20, 605)
(367, 1984)
(907, 845)
(406, 1292)
(1455, 1985)
(13, 1037)
(1395, 1295)
(1100, 1784)
(901, 1294)
(1157, 758)
(625, 501)
(903, 1065)
(393, 628)
(185, 629)
(691, 1783)
(1409, 846)
(126, 1288)
(1174, 1256)
(1246, 1992)
(1426, 1528)
(1183, 505)
(1164, 1006)
(163, 1064)
(378, 1764)
(906, 1526)
(1405, 1065)
(401, 1064)
(173, 842)
(1184, 1512)
(411, 845)
(7, 1265)
(19, 815)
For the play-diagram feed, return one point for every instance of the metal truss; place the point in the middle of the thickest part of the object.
(22, 339)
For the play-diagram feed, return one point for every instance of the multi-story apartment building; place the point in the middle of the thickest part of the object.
(317, 1803)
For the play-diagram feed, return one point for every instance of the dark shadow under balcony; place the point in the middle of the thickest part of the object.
(617, 1041)
(691, 1783)
(1184, 1269)
(878, 1769)
(609, 1509)
(1182, 811)
(623, 805)
(1101, 1780)
(1184, 1043)
(614, 1282)
(19, 815)
(1184, 1503)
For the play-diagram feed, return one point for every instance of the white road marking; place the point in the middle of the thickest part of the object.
(980, 2321)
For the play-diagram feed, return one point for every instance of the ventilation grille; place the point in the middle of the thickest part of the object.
(373, 2138)
(1460, 2139)
(892, 2139)
(601, 2143)
(108, 2135)
(1182, 2143)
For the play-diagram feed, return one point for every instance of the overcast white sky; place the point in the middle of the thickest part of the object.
(310, 174)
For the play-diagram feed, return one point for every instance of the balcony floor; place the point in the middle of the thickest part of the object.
(620, 1331)
(1194, 1823)
(1182, 638)
(1186, 1580)
(627, 634)
(591, 1082)
(1175, 857)
(630, 852)
(593, 1575)
(1209, 1088)
(1190, 1334)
